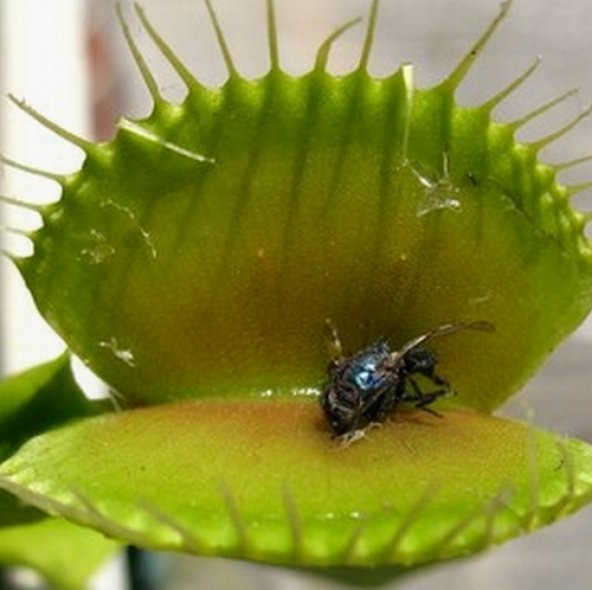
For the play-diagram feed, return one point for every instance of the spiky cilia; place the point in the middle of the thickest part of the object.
(204, 247)
(200, 253)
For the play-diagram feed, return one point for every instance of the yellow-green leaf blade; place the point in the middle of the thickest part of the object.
(48, 545)
(201, 251)
(265, 481)
(33, 402)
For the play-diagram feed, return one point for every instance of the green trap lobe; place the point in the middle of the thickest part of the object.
(286, 201)
(204, 248)
(419, 488)
(33, 402)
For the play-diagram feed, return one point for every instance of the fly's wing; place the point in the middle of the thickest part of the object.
(443, 330)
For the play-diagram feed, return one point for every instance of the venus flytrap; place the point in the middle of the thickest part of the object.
(37, 400)
(200, 254)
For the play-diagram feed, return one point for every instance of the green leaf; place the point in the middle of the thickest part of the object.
(201, 251)
(37, 400)
(63, 553)
(264, 481)
(31, 403)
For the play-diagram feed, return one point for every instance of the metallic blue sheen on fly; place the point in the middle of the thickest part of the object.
(364, 388)
(365, 372)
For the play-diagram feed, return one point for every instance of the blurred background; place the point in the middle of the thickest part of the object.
(67, 59)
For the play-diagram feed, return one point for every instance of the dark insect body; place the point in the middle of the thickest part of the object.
(364, 388)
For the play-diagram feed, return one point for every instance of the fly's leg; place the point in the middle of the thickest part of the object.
(334, 344)
(436, 380)
(430, 398)
(378, 406)
(423, 400)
